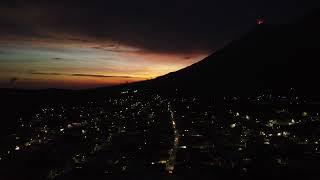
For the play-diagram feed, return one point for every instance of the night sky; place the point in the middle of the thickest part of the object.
(85, 44)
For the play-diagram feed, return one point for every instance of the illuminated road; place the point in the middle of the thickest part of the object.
(172, 154)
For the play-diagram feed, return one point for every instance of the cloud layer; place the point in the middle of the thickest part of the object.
(79, 75)
(175, 26)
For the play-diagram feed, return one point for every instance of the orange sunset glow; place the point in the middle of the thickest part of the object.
(74, 64)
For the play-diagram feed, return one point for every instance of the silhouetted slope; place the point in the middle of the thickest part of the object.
(268, 57)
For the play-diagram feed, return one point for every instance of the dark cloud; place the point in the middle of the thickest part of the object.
(42, 73)
(113, 48)
(102, 76)
(57, 58)
(80, 75)
(158, 26)
(13, 80)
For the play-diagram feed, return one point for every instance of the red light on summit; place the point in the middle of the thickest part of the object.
(260, 21)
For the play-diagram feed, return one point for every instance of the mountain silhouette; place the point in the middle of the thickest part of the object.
(270, 56)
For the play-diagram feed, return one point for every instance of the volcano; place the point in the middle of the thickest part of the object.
(269, 56)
